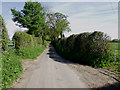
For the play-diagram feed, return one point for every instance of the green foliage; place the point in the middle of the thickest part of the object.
(58, 24)
(23, 40)
(27, 53)
(11, 65)
(35, 19)
(11, 68)
(4, 35)
(87, 48)
(32, 17)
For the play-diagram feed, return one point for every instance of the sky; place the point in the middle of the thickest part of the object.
(87, 16)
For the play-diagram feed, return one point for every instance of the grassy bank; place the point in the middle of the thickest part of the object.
(12, 65)
(30, 53)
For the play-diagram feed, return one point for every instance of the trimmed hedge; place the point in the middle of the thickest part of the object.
(86, 48)
(23, 40)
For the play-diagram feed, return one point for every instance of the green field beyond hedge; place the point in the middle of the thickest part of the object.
(116, 66)
(116, 45)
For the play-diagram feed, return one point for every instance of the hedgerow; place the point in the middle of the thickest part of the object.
(4, 35)
(86, 48)
(26, 44)
(23, 40)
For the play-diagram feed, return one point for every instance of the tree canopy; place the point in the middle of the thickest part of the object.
(58, 24)
(32, 17)
(40, 23)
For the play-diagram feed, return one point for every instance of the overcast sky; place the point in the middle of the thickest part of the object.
(83, 16)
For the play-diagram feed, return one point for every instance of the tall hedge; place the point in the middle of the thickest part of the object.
(87, 48)
(23, 40)
(4, 35)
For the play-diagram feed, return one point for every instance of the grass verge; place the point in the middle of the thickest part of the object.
(30, 53)
(12, 65)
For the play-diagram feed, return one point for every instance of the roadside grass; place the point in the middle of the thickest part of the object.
(11, 68)
(12, 64)
(30, 52)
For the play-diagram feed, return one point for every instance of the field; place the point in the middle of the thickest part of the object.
(116, 46)
(116, 66)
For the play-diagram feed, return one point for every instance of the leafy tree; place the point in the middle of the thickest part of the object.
(32, 17)
(4, 35)
(58, 24)
(42, 32)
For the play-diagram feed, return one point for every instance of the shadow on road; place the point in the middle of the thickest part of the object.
(53, 54)
(115, 86)
(111, 75)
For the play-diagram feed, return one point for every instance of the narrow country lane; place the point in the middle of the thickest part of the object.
(50, 71)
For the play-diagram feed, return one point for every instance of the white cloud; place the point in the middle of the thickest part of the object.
(12, 28)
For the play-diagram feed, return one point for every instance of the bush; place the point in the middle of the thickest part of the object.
(11, 68)
(23, 40)
(87, 48)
